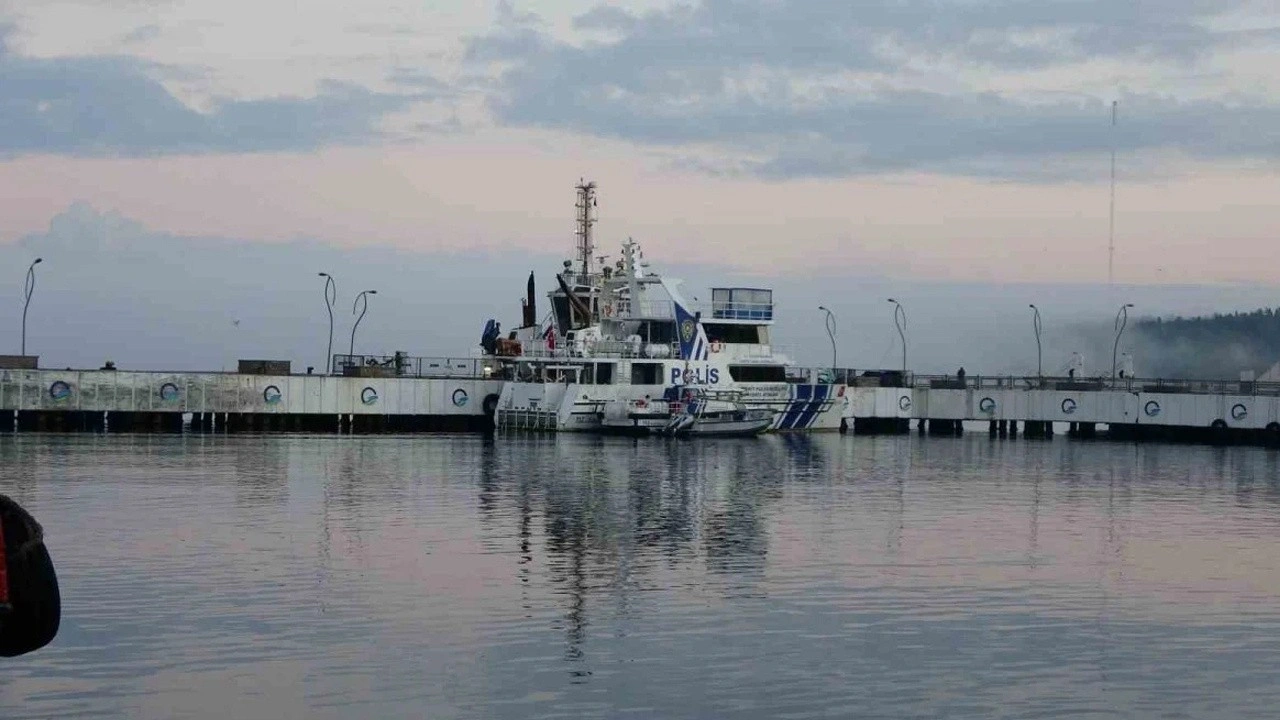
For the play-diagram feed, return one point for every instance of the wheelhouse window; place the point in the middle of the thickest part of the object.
(743, 334)
(758, 373)
(657, 332)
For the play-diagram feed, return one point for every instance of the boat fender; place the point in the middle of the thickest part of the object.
(716, 346)
(490, 405)
(30, 604)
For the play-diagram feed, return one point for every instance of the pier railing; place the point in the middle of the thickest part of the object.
(400, 365)
(1135, 385)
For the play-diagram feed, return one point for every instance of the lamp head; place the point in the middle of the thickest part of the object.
(38, 261)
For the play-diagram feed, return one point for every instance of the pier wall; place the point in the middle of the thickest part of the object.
(1110, 407)
(117, 391)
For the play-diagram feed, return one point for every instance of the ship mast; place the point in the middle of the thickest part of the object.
(586, 219)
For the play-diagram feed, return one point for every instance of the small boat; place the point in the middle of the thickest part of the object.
(695, 412)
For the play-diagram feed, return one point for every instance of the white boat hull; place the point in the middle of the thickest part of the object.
(797, 407)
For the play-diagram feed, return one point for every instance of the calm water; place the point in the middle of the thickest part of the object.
(540, 577)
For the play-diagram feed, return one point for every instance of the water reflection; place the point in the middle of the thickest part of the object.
(545, 576)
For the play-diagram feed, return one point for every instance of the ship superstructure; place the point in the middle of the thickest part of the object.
(622, 333)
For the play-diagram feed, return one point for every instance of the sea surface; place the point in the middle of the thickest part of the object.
(579, 577)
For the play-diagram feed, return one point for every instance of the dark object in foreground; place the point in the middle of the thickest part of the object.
(30, 606)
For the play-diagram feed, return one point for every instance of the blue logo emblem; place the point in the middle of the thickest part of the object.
(169, 392)
(1068, 406)
(904, 403)
(1239, 412)
(368, 396)
(271, 395)
(1152, 408)
(460, 397)
(59, 390)
(987, 405)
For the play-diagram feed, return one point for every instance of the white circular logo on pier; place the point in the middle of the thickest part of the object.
(904, 403)
(1068, 406)
(1152, 408)
(368, 396)
(1239, 412)
(271, 395)
(460, 397)
(987, 405)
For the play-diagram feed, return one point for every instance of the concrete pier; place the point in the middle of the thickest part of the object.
(116, 401)
(1130, 409)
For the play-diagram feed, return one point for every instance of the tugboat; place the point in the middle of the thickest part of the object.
(618, 333)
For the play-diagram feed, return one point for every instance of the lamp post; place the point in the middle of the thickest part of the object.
(363, 300)
(900, 321)
(26, 301)
(1035, 323)
(1122, 319)
(330, 297)
(831, 333)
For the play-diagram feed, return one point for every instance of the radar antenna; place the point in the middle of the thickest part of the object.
(586, 219)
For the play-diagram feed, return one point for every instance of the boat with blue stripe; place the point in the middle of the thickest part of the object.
(623, 333)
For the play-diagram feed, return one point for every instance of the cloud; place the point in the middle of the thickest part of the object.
(801, 88)
(111, 106)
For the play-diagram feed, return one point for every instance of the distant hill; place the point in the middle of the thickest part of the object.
(1211, 347)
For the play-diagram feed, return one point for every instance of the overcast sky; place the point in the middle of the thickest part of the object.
(930, 146)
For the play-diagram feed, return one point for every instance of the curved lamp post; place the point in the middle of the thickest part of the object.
(831, 333)
(1035, 323)
(1122, 319)
(900, 321)
(26, 300)
(361, 300)
(330, 297)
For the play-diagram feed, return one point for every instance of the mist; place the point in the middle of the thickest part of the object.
(112, 289)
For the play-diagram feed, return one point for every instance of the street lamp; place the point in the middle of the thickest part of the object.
(1035, 322)
(900, 320)
(330, 297)
(26, 301)
(1122, 319)
(831, 333)
(363, 300)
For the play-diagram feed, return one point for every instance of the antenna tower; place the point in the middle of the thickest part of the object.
(1111, 229)
(586, 219)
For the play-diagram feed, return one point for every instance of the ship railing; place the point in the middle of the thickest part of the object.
(599, 349)
(402, 365)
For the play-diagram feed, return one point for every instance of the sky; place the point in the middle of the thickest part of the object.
(957, 152)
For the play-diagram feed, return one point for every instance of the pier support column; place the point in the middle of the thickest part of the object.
(922, 426)
(1013, 429)
(991, 428)
(8, 421)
